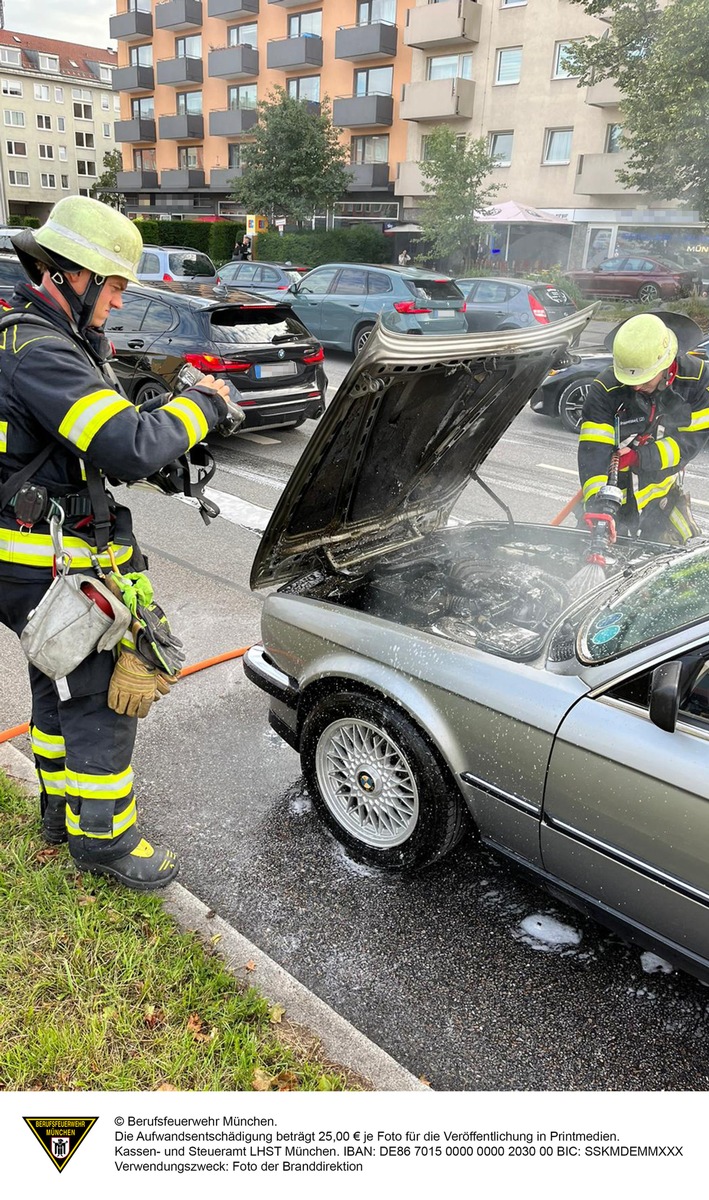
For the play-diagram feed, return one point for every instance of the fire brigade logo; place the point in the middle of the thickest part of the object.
(60, 1137)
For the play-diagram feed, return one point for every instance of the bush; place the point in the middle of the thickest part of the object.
(215, 238)
(224, 236)
(360, 244)
(27, 222)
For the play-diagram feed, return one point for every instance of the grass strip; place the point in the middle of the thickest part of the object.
(101, 991)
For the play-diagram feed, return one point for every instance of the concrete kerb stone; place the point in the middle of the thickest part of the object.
(340, 1041)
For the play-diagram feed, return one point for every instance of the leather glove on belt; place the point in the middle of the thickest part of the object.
(134, 686)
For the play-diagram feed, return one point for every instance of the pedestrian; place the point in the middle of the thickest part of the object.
(245, 249)
(652, 406)
(65, 427)
(404, 258)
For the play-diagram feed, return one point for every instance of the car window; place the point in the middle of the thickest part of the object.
(553, 296)
(268, 275)
(149, 264)
(611, 264)
(350, 282)
(190, 264)
(229, 272)
(695, 706)
(158, 318)
(434, 289)
(378, 282)
(318, 282)
(129, 317)
(491, 293)
(248, 273)
(10, 271)
(294, 276)
(242, 325)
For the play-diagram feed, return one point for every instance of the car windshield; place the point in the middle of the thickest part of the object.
(188, 264)
(553, 296)
(662, 601)
(250, 326)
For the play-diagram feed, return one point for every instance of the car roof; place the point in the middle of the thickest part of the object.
(409, 272)
(529, 283)
(193, 249)
(200, 295)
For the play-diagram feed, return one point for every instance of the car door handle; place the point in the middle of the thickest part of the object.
(354, 305)
(136, 345)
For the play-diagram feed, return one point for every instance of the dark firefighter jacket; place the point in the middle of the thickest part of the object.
(54, 387)
(677, 424)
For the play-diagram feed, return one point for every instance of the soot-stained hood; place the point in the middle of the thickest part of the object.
(413, 419)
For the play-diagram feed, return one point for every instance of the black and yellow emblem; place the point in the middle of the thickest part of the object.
(60, 1136)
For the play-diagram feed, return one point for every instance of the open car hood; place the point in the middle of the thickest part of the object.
(411, 423)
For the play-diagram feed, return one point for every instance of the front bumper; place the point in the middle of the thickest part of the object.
(282, 690)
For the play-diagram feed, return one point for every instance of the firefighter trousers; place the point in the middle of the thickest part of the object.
(82, 749)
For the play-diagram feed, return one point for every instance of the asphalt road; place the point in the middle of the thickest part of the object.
(469, 975)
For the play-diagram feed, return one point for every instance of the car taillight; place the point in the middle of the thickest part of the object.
(410, 306)
(209, 363)
(538, 310)
(465, 307)
(282, 287)
(318, 356)
(167, 278)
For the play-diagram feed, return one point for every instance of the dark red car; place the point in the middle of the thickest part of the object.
(637, 277)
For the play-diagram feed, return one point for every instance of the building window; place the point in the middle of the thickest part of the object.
(369, 149)
(373, 81)
(13, 58)
(369, 12)
(562, 70)
(501, 148)
(44, 121)
(307, 87)
(11, 87)
(105, 73)
(243, 35)
(143, 106)
(509, 65)
(65, 183)
(41, 91)
(61, 124)
(105, 103)
(59, 95)
(308, 24)
(13, 117)
(189, 102)
(62, 153)
(141, 56)
(513, 3)
(189, 158)
(235, 156)
(460, 144)
(48, 181)
(557, 146)
(45, 151)
(116, 104)
(17, 149)
(189, 47)
(85, 167)
(242, 95)
(48, 62)
(144, 160)
(106, 129)
(83, 112)
(613, 136)
(85, 192)
(450, 66)
(19, 178)
(84, 140)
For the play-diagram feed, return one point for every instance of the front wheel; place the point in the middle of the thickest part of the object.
(361, 338)
(648, 293)
(378, 785)
(571, 403)
(148, 391)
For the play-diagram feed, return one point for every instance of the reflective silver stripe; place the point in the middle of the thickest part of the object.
(191, 416)
(99, 787)
(72, 236)
(47, 745)
(89, 414)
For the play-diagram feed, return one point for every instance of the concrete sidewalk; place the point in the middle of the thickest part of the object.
(339, 1042)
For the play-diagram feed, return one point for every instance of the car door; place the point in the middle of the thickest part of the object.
(123, 331)
(149, 266)
(344, 308)
(626, 807)
(307, 297)
(488, 304)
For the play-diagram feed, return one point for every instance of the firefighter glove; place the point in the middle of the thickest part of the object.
(627, 458)
(133, 686)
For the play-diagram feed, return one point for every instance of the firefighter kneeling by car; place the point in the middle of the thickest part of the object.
(653, 406)
(64, 427)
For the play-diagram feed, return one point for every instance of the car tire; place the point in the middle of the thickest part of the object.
(571, 403)
(378, 785)
(148, 391)
(648, 293)
(361, 338)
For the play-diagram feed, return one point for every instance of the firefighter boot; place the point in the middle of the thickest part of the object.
(53, 809)
(130, 859)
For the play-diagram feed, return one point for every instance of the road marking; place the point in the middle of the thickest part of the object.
(260, 438)
(239, 512)
(254, 476)
(552, 467)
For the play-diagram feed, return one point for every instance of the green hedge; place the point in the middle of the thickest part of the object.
(27, 222)
(215, 238)
(361, 244)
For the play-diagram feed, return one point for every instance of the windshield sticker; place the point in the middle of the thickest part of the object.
(605, 635)
(608, 619)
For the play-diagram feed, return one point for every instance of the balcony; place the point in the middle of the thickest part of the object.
(596, 175)
(232, 62)
(177, 71)
(351, 112)
(220, 177)
(182, 180)
(182, 127)
(438, 99)
(131, 26)
(133, 79)
(452, 23)
(604, 94)
(366, 41)
(138, 129)
(226, 9)
(178, 14)
(289, 54)
(368, 177)
(137, 181)
(231, 122)
(288, 3)
(409, 181)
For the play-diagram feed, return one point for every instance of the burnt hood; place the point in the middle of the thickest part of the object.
(412, 421)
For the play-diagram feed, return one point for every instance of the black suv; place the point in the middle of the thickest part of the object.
(260, 346)
(11, 273)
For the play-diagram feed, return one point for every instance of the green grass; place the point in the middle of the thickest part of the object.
(101, 991)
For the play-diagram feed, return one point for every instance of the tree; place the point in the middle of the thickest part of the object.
(106, 186)
(658, 55)
(454, 172)
(295, 166)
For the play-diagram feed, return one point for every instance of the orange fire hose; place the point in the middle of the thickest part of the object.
(17, 730)
(568, 508)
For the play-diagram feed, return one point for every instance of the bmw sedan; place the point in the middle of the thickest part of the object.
(441, 676)
(635, 277)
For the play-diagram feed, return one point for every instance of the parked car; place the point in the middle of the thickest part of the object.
(11, 273)
(260, 346)
(340, 302)
(564, 390)
(265, 278)
(634, 276)
(512, 303)
(178, 263)
(436, 677)
(7, 232)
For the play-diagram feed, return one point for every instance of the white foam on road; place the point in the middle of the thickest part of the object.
(546, 933)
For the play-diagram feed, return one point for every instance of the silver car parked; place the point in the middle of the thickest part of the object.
(438, 677)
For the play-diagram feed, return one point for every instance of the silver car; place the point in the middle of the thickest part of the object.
(438, 677)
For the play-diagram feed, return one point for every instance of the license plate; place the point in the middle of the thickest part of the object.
(268, 370)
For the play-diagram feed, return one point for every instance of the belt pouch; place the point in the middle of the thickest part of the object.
(67, 626)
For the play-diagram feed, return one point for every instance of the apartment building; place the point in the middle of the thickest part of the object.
(192, 71)
(58, 115)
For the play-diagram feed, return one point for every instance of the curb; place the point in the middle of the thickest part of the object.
(339, 1041)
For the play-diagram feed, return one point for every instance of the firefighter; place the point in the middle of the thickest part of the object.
(653, 403)
(60, 404)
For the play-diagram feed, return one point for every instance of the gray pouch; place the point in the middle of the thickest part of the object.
(67, 625)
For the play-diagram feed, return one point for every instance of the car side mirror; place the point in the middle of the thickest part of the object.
(294, 288)
(665, 695)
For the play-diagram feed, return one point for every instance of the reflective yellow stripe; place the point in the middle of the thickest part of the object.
(669, 452)
(593, 485)
(3, 437)
(591, 432)
(121, 822)
(51, 781)
(99, 787)
(700, 420)
(47, 745)
(36, 550)
(680, 524)
(89, 414)
(191, 416)
(654, 491)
